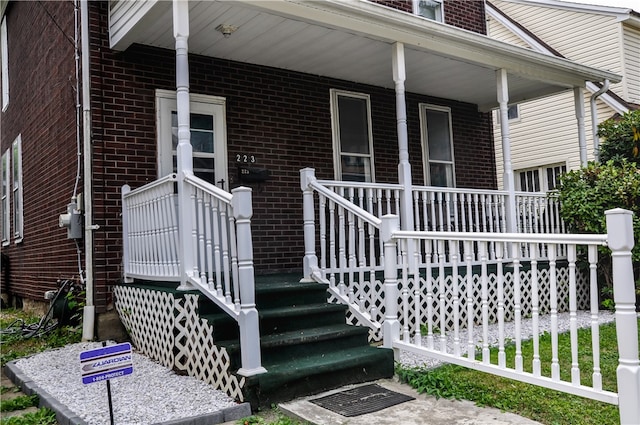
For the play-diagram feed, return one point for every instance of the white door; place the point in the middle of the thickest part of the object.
(208, 136)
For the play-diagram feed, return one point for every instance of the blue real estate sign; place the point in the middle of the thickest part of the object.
(105, 363)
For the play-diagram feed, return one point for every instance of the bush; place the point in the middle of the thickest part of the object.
(586, 194)
(621, 139)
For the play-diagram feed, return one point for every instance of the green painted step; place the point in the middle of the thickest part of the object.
(319, 372)
(287, 346)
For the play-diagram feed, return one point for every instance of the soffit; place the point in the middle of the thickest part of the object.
(352, 41)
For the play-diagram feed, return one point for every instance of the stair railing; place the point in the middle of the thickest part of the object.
(350, 249)
(218, 232)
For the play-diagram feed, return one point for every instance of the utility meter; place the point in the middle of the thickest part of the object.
(72, 220)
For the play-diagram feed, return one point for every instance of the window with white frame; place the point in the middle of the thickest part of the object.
(4, 63)
(208, 136)
(540, 179)
(5, 197)
(430, 9)
(437, 145)
(16, 164)
(352, 136)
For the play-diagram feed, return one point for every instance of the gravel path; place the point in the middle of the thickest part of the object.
(155, 394)
(150, 395)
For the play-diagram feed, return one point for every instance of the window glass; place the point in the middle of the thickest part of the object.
(4, 63)
(5, 198)
(513, 112)
(16, 162)
(437, 145)
(430, 9)
(540, 179)
(353, 150)
(202, 144)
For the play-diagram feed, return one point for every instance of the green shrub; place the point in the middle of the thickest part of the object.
(621, 139)
(586, 194)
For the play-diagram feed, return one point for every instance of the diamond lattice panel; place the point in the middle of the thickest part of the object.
(168, 329)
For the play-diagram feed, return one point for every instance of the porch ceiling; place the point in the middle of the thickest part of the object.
(352, 41)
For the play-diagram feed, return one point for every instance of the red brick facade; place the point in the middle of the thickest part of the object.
(282, 117)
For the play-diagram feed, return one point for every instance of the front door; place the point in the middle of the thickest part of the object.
(208, 136)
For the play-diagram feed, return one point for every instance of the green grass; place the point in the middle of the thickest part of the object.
(534, 402)
(42, 416)
(15, 345)
(19, 403)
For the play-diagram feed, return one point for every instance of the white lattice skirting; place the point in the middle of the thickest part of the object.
(371, 297)
(165, 326)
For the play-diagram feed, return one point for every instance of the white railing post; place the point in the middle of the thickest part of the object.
(125, 234)
(310, 260)
(620, 241)
(248, 316)
(391, 326)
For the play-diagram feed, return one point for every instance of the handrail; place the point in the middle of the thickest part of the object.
(360, 212)
(151, 185)
(585, 238)
(212, 189)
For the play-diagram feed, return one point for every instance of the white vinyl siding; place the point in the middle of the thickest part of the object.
(631, 40)
(16, 177)
(498, 31)
(6, 198)
(547, 132)
(4, 63)
(587, 38)
(352, 136)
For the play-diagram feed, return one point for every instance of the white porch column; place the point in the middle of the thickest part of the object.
(184, 150)
(578, 100)
(391, 325)
(404, 168)
(509, 182)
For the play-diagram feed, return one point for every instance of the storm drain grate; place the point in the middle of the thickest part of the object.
(361, 400)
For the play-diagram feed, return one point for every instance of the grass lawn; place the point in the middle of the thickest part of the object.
(537, 403)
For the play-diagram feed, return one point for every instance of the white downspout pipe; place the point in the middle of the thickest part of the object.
(578, 99)
(594, 119)
(88, 313)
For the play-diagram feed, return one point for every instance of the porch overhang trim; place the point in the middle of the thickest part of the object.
(385, 24)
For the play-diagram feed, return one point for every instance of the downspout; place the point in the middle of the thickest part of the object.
(594, 119)
(88, 313)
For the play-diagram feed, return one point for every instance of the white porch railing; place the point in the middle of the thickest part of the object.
(416, 296)
(456, 209)
(221, 264)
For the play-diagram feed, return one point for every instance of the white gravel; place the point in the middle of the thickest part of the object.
(410, 359)
(151, 394)
(155, 394)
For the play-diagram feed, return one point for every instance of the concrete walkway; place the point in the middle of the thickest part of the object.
(424, 410)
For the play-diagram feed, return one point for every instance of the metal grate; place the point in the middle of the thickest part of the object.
(361, 400)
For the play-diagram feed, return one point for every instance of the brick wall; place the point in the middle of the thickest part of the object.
(280, 116)
(42, 110)
(467, 14)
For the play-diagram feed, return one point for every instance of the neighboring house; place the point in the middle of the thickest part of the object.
(544, 134)
(136, 129)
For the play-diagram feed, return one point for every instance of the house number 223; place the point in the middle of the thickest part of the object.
(248, 159)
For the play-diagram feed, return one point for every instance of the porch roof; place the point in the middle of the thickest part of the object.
(351, 40)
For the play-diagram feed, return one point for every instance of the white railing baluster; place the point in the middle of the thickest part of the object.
(596, 376)
(482, 248)
(453, 250)
(573, 315)
(517, 304)
(535, 311)
(441, 282)
(553, 305)
(500, 250)
(471, 344)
